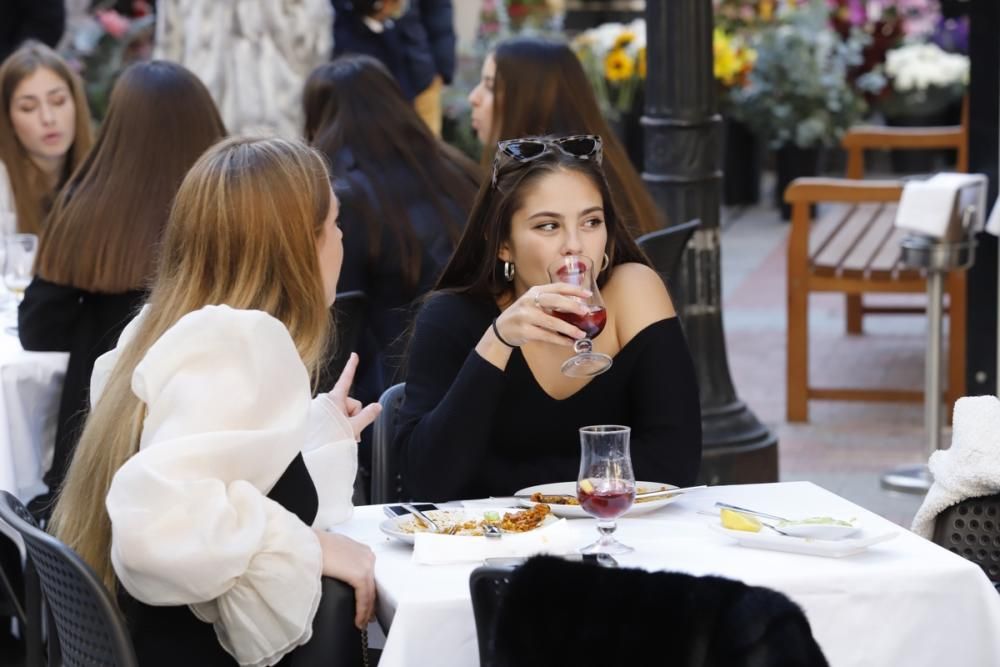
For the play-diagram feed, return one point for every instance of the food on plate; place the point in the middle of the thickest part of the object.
(739, 521)
(586, 486)
(817, 521)
(457, 523)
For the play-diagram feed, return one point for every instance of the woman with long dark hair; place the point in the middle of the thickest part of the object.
(487, 408)
(404, 197)
(98, 251)
(533, 86)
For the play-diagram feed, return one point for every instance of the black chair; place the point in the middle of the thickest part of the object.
(971, 529)
(553, 611)
(335, 640)
(88, 627)
(488, 584)
(387, 475)
(350, 312)
(665, 247)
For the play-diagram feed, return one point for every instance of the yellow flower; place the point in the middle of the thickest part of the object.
(733, 61)
(766, 10)
(623, 39)
(640, 59)
(618, 66)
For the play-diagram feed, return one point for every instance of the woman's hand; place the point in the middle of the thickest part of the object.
(529, 318)
(359, 416)
(354, 564)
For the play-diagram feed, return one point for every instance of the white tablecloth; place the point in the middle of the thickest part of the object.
(902, 602)
(30, 386)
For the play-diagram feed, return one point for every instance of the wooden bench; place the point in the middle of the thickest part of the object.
(853, 248)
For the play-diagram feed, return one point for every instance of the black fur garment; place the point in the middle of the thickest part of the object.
(566, 613)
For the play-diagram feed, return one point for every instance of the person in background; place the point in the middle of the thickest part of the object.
(487, 410)
(404, 198)
(415, 39)
(252, 55)
(44, 134)
(207, 477)
(21, 20)
(534, 86)
(98, 251)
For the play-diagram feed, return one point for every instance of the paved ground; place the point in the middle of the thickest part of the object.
(845, 446)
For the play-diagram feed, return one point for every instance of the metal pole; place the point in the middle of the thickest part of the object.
(682, 131)
(932, 367)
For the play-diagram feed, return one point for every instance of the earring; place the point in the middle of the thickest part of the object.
(508, 271)
(607, 260)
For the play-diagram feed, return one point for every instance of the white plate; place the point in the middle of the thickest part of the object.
(577, 512)
(767, 539)
(393, 527)
(819, 531)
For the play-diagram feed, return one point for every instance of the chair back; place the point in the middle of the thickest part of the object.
(665, 247)
(488, 584)
(87, 623)
(553, 611)
(971, 529)
(350, 312)
(387, 475)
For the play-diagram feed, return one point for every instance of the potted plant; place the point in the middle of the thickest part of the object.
(798, 97)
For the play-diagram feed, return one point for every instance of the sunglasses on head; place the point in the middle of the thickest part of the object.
(580, 146)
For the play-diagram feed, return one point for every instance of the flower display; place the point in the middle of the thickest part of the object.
(614, 57)
(923, 79)
(733, 59)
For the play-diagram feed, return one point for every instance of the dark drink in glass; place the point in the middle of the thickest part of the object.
(608, 503)
(591, 323)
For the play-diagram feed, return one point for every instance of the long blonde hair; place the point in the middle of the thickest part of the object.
(242, 232)
(33, 197)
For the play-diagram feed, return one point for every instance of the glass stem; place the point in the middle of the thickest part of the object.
(606, 529)
(583, 346)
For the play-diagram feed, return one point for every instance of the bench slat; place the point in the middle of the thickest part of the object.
(828, 261)
(864, 254)
(826, 227)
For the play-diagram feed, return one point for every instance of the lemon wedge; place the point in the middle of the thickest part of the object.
(737, 521)
(586, 486)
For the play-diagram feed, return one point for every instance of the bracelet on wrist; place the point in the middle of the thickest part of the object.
(496, 332)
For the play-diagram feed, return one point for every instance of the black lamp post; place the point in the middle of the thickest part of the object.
(682, 160)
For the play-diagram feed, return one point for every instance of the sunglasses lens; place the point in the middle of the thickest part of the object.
(579, 146)
(525, 150)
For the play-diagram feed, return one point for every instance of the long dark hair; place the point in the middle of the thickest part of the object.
(104, 232)
(354, 106)
(474, 267)
(540, 88)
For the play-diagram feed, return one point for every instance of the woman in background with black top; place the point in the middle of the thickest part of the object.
(404, 197)
(99, 248)
(486, 409)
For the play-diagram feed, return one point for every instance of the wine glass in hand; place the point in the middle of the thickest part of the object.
(579, 270)
(605, 486)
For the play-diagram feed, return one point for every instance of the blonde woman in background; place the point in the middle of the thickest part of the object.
(206, 475)
(44, 134)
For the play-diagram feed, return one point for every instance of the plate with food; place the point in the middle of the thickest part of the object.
(468, 523)
(748, 531)
(561, 497)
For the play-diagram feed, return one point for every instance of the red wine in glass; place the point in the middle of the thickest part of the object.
(607, 503)
(591, 323)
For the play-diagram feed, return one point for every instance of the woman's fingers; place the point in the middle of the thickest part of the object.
(364, 602)
(346, 379)
(353, 406)
(363, 418)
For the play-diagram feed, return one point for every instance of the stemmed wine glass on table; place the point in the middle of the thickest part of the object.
(578, 270)
(19, 265)
(605, 486)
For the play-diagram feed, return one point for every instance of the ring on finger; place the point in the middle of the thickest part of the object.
(538, 299)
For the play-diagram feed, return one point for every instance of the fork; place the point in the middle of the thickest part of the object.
(423, 517)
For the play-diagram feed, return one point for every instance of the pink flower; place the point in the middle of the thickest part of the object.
(113, 23)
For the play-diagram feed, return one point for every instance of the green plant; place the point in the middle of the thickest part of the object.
(798, 93)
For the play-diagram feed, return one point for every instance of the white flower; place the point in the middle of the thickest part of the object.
(921, 66)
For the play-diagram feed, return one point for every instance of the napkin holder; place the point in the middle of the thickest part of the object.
(942, 216)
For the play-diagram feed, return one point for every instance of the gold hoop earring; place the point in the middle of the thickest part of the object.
(508, 271)
(607, 261)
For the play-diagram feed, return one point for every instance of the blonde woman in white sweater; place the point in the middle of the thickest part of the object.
(207, 477)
